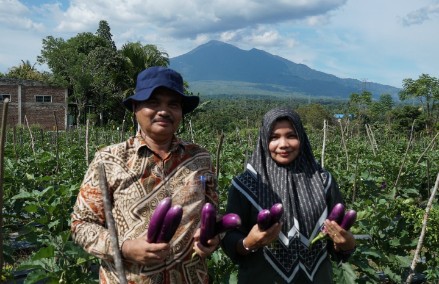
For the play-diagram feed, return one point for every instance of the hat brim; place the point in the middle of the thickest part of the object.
(189, 103)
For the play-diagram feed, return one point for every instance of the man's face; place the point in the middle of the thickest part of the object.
(160, 115)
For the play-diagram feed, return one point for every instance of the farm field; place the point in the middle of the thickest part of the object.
(387, 176)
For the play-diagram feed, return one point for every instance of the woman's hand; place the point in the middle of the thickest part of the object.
(205, 251)
(140, 251)
(343, 240)
(257, 238)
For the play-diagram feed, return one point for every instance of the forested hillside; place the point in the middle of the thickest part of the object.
(220, 68)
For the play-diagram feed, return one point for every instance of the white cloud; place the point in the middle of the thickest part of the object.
(384, 41)
(421, 15)
(15, 15)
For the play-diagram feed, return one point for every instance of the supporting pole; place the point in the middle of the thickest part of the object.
(2, 147)
(111, 225)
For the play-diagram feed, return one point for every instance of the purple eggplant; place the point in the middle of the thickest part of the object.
(208, 220)
(170, 224)
(264, 219)
(227, 222)
(276, 211)
(337, 213)
(156, 222)
(349, 219)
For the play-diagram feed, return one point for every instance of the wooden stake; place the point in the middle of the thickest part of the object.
(111, 225)
(2, 147)
(423, 230)
(31, 136)
(218, 151)
(324, 143)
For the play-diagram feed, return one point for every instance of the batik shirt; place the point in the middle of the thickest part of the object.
(137, 181)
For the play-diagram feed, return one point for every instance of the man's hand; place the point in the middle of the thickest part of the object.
(140, 251)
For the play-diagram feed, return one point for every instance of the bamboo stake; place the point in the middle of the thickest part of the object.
(403, 159)
(369, 135)
(423, 230)
(191, 131)
(324, 143)
(344, 146)
(2, 147)
(426, 149)
(122, 131)
(56, 142)
(31, 136)
(111, 225)
(14, 141)
(374, 142)
(86, 141)
(218, 151)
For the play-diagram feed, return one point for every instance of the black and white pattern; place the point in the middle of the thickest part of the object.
(301, 187)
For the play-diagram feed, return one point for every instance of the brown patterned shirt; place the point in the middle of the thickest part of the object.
(137, 181)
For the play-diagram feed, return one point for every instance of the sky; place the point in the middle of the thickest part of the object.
(380, 41)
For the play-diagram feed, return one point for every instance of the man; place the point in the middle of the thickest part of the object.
(140, 173)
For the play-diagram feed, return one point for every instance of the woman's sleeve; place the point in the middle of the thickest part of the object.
(238, 204)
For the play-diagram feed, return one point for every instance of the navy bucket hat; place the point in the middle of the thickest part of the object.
(151, 78)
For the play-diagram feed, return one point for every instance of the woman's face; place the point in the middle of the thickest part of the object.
(284, 144)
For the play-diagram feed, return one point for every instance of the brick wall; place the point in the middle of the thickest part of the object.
(23, 105)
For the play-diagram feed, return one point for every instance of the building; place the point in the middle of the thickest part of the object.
(34, 103)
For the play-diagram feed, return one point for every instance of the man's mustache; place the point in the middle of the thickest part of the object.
(163, 119)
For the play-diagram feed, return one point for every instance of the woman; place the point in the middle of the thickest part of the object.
(283, 169)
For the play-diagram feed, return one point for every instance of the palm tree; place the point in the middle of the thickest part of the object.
(26, 71)
(139, 57)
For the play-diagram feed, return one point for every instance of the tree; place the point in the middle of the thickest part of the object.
(90, 66)
(380, 109)
(138, 57)
(104, 32)
(314, 115)
(95, 72)
(426, 90)
(403, 118)
(106, 67)
(359, 105)
(27, 71)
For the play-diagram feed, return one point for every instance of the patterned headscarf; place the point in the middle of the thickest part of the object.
(300, 186)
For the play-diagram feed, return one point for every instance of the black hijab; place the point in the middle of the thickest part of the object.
(300, 186)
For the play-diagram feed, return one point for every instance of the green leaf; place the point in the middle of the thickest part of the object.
(31, 208)
(345, 274)
(36, 276)
(404, 261)
(46, 252)
(30, 176)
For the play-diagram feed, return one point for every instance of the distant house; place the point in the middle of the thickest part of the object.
(35, 102)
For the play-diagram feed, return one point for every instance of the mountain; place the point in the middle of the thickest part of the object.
(220, 68)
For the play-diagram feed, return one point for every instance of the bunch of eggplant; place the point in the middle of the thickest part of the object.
(344, 219)
(164, 222)
(268, 217)
(210, 226)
